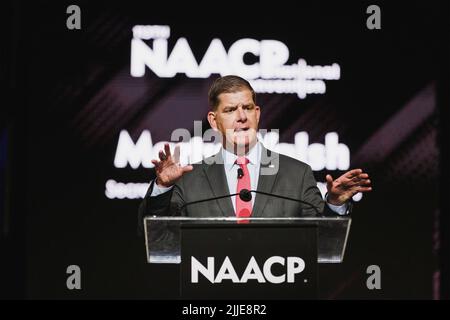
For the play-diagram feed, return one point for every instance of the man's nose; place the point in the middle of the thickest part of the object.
(242, 116)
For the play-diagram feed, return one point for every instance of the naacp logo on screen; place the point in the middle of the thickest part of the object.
(270, 74)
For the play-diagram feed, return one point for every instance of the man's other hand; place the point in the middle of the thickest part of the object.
(346, 186)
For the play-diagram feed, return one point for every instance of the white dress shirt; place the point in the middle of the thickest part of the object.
(231, 170)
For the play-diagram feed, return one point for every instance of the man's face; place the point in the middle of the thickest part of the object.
(237, 118)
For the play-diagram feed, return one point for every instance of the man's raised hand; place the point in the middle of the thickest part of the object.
(347, 185)
(168, 169)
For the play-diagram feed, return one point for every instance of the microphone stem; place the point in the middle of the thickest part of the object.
(260, 192)
(211, 199)
(287, 198)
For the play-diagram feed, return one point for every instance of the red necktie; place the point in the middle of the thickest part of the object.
(243, 209)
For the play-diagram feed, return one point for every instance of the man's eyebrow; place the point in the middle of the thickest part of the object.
(235, 106)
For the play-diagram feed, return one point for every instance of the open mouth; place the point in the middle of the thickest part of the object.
(241, 129)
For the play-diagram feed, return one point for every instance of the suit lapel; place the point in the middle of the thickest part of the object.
(265, 182)
(217, 180)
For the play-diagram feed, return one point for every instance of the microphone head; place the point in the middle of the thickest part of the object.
(240, 173)
(245, 195)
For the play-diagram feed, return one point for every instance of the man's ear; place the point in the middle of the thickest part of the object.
(212, 120)
(258, 113)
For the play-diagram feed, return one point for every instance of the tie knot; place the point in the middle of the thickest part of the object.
(242, 161)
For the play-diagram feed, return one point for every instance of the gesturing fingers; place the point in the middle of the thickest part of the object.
(363, 189)
(187, 168)
(363, 176)
(356, 182)
(353, 173)
(359, 177)
(157, 165)
(167, 150)
(162, 156)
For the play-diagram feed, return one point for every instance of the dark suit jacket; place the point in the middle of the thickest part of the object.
(293, 179)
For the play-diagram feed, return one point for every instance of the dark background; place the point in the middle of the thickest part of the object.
(69, 93)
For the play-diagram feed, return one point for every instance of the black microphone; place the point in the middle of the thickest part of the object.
(246, 195)
(240, 173)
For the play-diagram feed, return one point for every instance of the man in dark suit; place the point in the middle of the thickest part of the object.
(243, 162)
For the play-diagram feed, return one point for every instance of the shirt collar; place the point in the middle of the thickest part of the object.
(253, 156)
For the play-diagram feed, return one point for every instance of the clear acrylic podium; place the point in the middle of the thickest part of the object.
(162, 235)
(242, 258)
